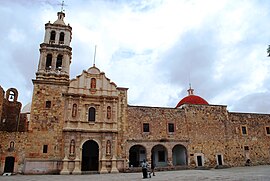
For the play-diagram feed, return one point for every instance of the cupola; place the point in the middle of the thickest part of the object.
(192, 99)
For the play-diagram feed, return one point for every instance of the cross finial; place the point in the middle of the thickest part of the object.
(62, 6)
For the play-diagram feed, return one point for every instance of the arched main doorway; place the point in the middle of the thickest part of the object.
(179, 154)
(136, 155)
(9, 164)
(90, 156)
(159, 155)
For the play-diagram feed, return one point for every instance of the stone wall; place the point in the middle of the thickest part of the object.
(254, 145)
(46, 122)
(13, 144)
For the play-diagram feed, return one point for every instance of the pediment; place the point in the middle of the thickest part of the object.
(92, 82)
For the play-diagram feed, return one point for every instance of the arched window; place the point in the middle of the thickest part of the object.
(72, 147)
(62, 38)
(59, 62)
(52, 37)
(74, 110)
(91, 114)
(49, 61)
(93, 83)
(109, 112)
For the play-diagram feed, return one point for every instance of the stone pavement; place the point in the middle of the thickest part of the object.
(257, 173)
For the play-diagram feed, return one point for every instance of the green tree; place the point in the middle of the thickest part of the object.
(268, 50)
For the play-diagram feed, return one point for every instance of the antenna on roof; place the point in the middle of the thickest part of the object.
(94, 64)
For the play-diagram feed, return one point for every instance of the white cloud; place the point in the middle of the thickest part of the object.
(152, 47)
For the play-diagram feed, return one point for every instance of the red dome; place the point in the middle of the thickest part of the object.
(191, 99)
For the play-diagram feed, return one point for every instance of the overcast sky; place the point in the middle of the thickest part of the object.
(153, 47)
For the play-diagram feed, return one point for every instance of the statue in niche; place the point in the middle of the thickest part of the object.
(72, 147)
(74, 110)
(108, 148)
(109, 112)
(93, 83)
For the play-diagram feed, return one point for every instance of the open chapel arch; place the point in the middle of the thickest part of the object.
(159, 155)
(137, 154)
(90, 156)
(179, 154)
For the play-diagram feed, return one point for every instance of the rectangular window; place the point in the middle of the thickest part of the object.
(267, 130)
(146, 128)
(45, 148)
(48, 104)
(244, 130)
(161, 156)
(246, 148)
(171, 127)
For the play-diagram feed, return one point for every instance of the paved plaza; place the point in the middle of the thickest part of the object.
(257, 173)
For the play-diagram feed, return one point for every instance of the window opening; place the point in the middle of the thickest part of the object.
(11, 96)
(246, 148)
(171, 127)
(91, 114)
(45, 148)
(48, 104)
(49, 61)
(59, 62)
(52, 37)
(61, 38)
(244, 130)
(267, 130)
(146, 128)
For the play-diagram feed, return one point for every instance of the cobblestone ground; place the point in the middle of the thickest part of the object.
(257, 173)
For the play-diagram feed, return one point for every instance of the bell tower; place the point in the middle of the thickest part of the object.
(55, 51)
(48, 102)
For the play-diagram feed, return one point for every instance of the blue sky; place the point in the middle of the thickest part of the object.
(153, 47)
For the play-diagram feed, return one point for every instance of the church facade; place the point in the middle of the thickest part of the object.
(85, 125)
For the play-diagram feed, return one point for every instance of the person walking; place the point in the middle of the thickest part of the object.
(144, 168)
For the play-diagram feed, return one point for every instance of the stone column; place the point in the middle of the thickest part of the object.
(169, 159)
(65, 170)
(114, 160)
(77, 164)
(103, 165)
(103, 160)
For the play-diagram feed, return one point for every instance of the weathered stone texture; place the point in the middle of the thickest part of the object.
(16, 150)
(256, 139)
(46, 122)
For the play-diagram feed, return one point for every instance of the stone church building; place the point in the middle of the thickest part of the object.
(84, 124)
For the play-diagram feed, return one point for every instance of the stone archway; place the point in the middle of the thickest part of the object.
(179, 154)
(9, 164)
(90, 156)
(159, 155)
(136, 155)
